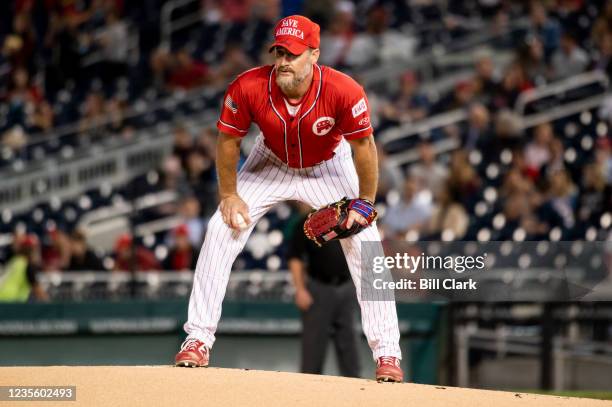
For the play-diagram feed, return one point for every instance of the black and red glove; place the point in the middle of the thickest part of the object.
(329, 222)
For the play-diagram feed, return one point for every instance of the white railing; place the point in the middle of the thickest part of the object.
(565, 110)
(82, 278)
(136, 110)
(114, 166)
(169, 26)
(466, 48)
(422, 126)
(456, 117)
(555, 88)
(132, 40)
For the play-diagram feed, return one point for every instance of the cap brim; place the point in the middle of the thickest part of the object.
(292, 46)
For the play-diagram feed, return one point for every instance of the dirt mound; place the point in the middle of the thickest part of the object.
(170, 386)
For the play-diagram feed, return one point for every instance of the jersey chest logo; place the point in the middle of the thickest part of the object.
(323, 125)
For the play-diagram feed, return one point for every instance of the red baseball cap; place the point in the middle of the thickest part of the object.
(296, 34)
(30, 240)
(181, 230)
(123, 242)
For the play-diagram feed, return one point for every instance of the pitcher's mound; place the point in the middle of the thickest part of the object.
(172, 386)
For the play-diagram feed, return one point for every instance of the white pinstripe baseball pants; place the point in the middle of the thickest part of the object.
(264, 181)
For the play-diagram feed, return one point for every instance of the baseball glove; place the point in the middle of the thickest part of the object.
(329, 222)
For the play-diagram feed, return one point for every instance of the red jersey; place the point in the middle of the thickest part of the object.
(335, 106)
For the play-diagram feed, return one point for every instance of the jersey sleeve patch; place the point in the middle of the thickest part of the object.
(359, 107)
(230, 104)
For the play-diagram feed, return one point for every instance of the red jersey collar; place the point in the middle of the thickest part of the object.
(308, 101)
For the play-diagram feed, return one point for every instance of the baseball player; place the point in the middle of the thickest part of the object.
(313, 120)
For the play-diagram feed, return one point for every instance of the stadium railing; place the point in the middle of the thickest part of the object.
(114, 165)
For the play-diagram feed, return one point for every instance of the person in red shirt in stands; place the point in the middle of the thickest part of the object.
(137, 258)
(187, 73)
(182, 255)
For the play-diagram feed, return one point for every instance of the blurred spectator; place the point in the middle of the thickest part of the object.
(411, 213)
(544, 27)
(508, 135)
(485, 83)
(603, 158)
(183, 144)
(603, 24)
(189, 211)
(569, 59)
(517, 184)
(93, 112)
(173, 176)
(235, 61)
(517, 214)
(133, 257)
(200, 176)
(113, 40)
(464, 183)
(562, 194)
(336, 40)
(182, 254)
(449, 220)
(514, 81)
(538, 152)
(82, 258)
(56, 250)
(42, 118)
(603, 59)
(63, 46)
(595, 196)
(478, 131)
(556, 161)
(19, 46)
(206, 143)
(186, 72)
(160, 67)
(519, 164)
(379, 43)
(532, 61)
(408, 105)
(390, 176)
(115, 110)
(14, 138)
(26, 111)
(462, 95)
(430, 173)
(18, 280)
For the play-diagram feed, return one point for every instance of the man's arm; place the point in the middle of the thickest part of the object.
(37, 291)
(303, 299)
(228, 154)
(366, 164)
(297, 266)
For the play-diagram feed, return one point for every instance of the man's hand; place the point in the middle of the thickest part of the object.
(230, 207)
(360, 211)
(303, 299)
(355, 217)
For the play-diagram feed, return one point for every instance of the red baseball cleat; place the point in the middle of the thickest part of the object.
(388, 369)
(193, 353)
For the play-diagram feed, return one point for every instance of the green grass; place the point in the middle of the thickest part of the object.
(601, 395)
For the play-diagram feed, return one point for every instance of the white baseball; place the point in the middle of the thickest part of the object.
(241, 222)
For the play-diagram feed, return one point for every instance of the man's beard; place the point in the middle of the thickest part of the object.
(289, 84)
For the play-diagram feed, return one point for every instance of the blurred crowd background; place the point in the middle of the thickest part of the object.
(79, 78)
(492, 121)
